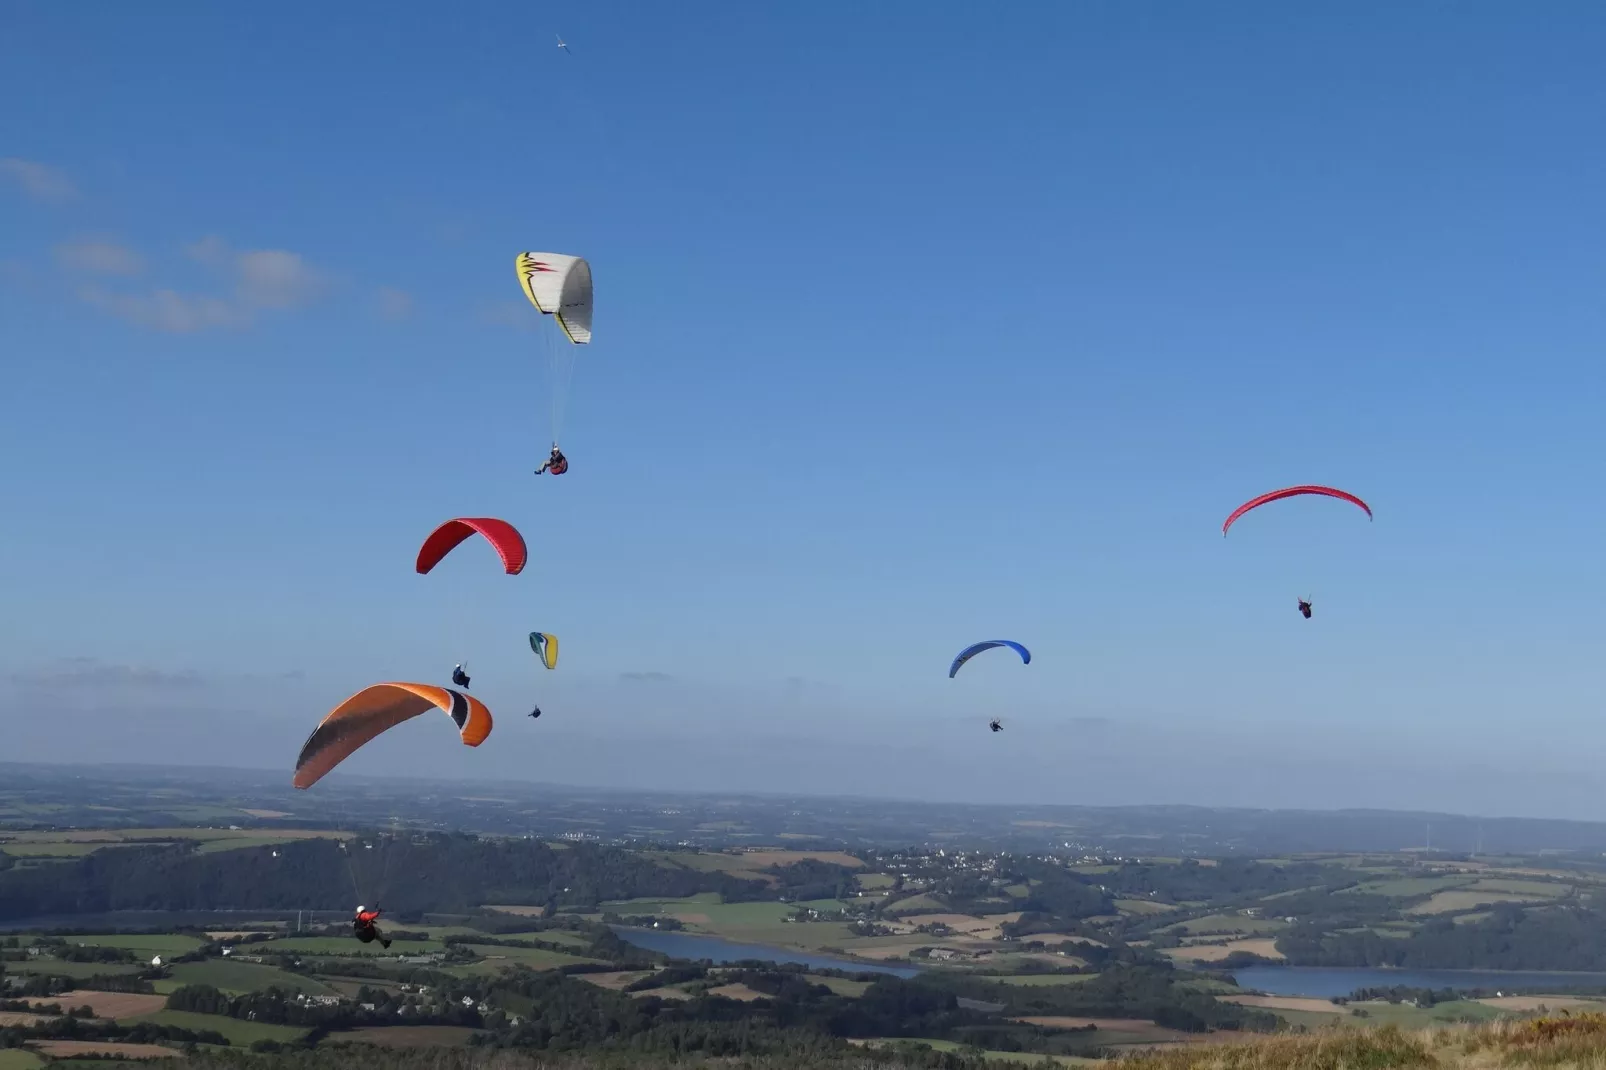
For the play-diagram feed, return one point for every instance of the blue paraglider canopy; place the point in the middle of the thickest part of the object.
(976, 648)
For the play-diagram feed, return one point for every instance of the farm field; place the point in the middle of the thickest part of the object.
(1552, 1004)
(20, 1018)
(77, 971)
(496, 958)
(1213, 924)
(108, 1004)
(1307, 1004)
(236, 977)
(1143, 906)
(1265, 948)
(1468, 899)
(144, 943)
(405, 1036)
(67, 1049)
(239, 1032)
(615, 981)
(1044, 980)
(1033, 1058)
(345, 945)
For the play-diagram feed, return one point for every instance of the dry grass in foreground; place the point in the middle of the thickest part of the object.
(1565, 1042)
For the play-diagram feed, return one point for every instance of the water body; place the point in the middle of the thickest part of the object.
(693, 946)
(1325, 982)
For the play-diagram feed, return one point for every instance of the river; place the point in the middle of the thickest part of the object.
(682, 945)
(1321, 982)
(1325, 982)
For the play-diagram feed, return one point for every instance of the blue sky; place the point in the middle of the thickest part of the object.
(916, 324)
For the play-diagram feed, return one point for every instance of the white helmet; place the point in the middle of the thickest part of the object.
(361, 908)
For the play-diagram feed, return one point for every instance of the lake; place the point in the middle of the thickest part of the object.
(1325, 982)
(682, 945)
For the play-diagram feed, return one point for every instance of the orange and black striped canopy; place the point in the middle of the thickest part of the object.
(377, 709)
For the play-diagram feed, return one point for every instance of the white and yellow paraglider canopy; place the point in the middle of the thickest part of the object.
(559, 286)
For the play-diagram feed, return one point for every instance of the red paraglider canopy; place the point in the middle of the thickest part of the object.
(1289, 492)
(503, 536)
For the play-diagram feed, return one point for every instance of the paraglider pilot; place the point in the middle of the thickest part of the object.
(363, 925)
(1304, 608)
(996, 725)
(459, 677)
(535, 712)
(557, 464)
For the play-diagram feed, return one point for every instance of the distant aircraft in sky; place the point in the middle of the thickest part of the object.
(563, 44)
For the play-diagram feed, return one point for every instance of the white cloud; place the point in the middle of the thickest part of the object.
(261, 279)
(273, 278)
(39, 181)
(168, 310)
(100, 257)
(646, 678)
(393, 304)
(516, 314)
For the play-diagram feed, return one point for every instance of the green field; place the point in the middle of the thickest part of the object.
(237, 978)
(720, 916)
(497, 959)
(1225, 924)
(810, 936)
(54, 850)
(1408, 1017)
(662, 906)
(877, 881)
(824, 906)
(17, 1059)
(346, 945)
(406, 1036)
(1537, 889)
(441, 932)
(1042, 980)
(235, 843)
(990, 1056)
(240, 1033)
(1466, 899)
(917, 904)
(554, 936)
(842, 986)
(1144, 906)
(1405, 887)
(145, 943)
(78, 971)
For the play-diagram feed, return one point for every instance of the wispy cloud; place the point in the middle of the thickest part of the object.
(646, 677)
(392, 304)
(100, 258)
(167, 310)
(263, 278)
(259, 280)
(516, 314)
(74, 674)
(39, 181)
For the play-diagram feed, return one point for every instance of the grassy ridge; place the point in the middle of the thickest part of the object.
(1562, 1043)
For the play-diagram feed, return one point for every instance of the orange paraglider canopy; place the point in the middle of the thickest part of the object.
(376, 709)
(1289, 492)
(500, 534)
